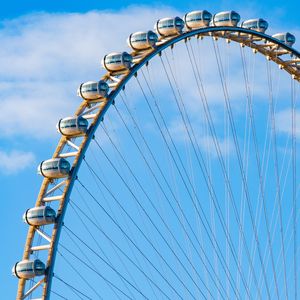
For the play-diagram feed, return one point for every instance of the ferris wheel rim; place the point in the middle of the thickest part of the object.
(217, 31)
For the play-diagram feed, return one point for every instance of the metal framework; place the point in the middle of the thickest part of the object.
(284, 56)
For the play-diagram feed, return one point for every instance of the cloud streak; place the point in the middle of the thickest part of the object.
(284, 122)
(15, 161)
(46, 56)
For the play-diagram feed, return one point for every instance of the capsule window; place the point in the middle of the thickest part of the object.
(39, 265)
(206, 16)
(127, 58)
(26, 268)
(152, 37)
(82, 122)
(71, 125)
(235, 17)
(50, 165)
(254, 25)
(102, 86)
(178, 22)
(50, 213)
(263, 24)
(191, 18)
(166, 24)
(197, 17)
(140, 37)
(290, 38)
(92, 87)
(113, 59)
(222, 17)
(64, 165)
(36, 214)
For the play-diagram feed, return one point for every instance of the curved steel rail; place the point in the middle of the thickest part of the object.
(270, 47)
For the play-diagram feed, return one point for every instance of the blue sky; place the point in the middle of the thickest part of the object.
(41, 66)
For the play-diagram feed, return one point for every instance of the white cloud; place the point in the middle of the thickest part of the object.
(284, 122)
(204, 140)
(46, 56)
(15, 161)
(226, 146)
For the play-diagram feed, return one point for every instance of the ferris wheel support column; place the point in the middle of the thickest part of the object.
(67, 191)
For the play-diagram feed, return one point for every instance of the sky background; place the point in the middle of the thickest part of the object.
(47, 49)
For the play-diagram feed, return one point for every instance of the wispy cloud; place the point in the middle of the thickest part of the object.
(15, 161)
(225, 145)
(46, 56)
(205, 141)
(284, 122)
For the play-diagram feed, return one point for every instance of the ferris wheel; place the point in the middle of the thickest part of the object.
(187, 188)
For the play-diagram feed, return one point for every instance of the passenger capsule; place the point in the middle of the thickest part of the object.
(117, 61)
(259, 25)
(72, 126)
(54, 168)
(38, 216)
(142, 40)
(286, 38)
(197, 19)
(226, 18)
(93, 90)
(169, 26)
(27, 269)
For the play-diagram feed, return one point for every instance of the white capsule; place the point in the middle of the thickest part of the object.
(259, 25)
(197, 19)
(93, 90)
(226, 18)
(117, 61)
(54, 168)
(72, 126)
(169, 26)
(286, 38)
(38, 216)
(27, 269)
(142, 40)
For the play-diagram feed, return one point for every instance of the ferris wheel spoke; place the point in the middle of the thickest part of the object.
(160, 171)
(201, 164)
(169, 188)
(259, 168)
(294, 176)
(76, 291)
(138, 267)
(151, 170)
(88, 265)
(278, 192)
(208, 117)
(94, 221)
(79, 275)
(104, 254)
(96, 253)
(180, 103)
(205, 225)
(143, 234)
(147, 215)
(91, 266)
(240, 164)
(130, 241)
